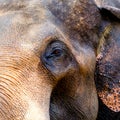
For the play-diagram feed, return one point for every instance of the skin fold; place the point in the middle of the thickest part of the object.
(107, 71)
(48, 51)
(107, 67)
(43, 62)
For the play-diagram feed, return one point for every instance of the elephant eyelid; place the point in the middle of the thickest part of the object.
(55, 49)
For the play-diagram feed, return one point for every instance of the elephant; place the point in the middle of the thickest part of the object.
(107, 72)
(58, 60)
(108, 59)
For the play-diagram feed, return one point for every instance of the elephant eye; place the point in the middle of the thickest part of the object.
(56, 52)
(57, 57)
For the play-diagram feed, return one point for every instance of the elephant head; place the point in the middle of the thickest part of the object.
(103, 29)
(48, 51)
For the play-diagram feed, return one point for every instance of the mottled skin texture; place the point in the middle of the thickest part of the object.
(108, 61)
(48, 51)
(40, 54)
(107, 69)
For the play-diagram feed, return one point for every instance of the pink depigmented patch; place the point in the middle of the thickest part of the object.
(112, 100)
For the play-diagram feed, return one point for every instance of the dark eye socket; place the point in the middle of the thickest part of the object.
(57, 52)
(56, 56)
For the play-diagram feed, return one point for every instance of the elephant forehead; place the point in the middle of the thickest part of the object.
(18, 27)
(75, 14)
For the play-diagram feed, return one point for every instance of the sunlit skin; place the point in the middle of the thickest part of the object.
(47, 59)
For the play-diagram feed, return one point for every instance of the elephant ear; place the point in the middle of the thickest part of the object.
(111, 5)
(108, 54)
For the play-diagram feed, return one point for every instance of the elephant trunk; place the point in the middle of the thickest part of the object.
(24, 91)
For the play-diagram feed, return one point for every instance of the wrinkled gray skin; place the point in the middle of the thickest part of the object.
(108, 61)
(48, 54)
(108, 58)
(41, 45)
